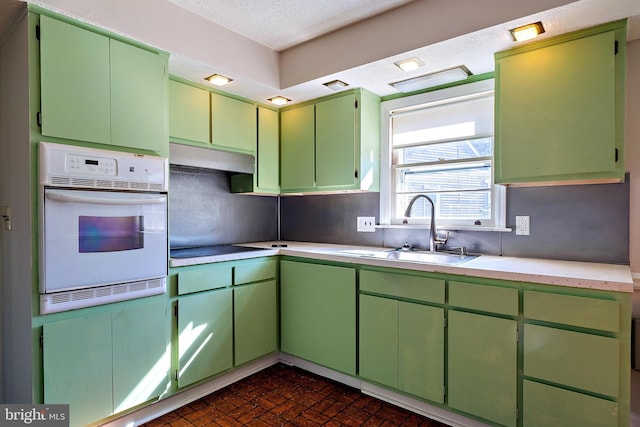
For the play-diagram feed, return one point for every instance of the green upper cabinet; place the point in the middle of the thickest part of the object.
(139, 98)
(97, 89)
(188, 113)
(333, 144)
(297, 148)
(268, 161)
(336, 142)
(75, 82)
(234, 124)
(560, 108)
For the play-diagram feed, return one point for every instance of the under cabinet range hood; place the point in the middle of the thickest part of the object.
(207, 158)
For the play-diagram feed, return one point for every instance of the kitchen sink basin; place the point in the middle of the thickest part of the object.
(426, 257)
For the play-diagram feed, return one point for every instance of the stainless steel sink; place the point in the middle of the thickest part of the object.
(425, 257)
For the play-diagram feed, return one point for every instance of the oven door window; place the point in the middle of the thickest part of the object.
(110, 234)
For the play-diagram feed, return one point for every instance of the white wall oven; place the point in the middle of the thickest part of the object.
(103, 219)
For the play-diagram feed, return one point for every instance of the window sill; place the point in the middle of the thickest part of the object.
(449, 227)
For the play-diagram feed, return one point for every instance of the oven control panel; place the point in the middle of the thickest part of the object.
(84, 167)
(91, 165)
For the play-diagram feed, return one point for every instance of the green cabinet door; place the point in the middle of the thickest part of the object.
(189, 112)
(482, 366)
(421, 351)
(378, 352)
(556, 111)
(139, 98)
(402, 346)
(545, 405)
(234, 124)
(77, 366)
(255, 321)
(297, 143)
(205, 341)
(318, 314)
(268, 161)
(336, 142)
(141, 354)
(75, 82)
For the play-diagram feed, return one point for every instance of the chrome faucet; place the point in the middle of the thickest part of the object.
(434, 239)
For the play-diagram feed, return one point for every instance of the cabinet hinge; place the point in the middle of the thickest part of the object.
(356, 174)
(445, 321)
(616, 155)
(41, 340)
(356, 104)
(517, 335)
(444, 391)
(39, 118)
(175, 310)
(517, 413)
(615, 47)
(177, 375)
(37, 32)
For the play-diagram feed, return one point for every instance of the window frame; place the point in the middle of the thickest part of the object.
(387, 170)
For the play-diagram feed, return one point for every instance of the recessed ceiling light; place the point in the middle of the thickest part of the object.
(409, 64)
(218, 79)
(434, 79)
(279, 100)
(336, 84)
(527, 32)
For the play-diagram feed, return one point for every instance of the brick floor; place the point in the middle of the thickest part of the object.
(287, 396)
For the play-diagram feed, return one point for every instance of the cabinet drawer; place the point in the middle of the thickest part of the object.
(551, 406)
(255, 271)
(484, 298)
(571, 310)
(203, 279)
(584, 361)
(403, 286)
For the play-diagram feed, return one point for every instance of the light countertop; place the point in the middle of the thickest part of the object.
(587, 275)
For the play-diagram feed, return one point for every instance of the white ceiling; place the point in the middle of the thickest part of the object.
(291, 47)
(280, 24)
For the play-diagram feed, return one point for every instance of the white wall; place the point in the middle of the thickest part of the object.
(632, 152)
(15, 178)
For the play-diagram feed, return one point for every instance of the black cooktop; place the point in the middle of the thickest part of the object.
(201, 251)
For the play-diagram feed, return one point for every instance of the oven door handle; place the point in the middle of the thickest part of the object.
(103, 200)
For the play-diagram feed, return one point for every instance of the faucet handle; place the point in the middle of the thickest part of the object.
(442, 240)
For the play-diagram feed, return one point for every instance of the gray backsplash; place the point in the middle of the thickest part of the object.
(574, 222)
(203, 211)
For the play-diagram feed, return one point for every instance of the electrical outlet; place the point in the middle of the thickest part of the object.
(366, 224)
(522, 226)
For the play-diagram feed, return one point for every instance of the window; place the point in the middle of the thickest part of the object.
(441, 144)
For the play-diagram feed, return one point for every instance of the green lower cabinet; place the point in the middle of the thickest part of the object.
(102, 364)
(421, 351)
(78, 366)
(205, 329)
(568, 358)
(255, 321)
(379, 340)
(544, 406)
(402, 346)
(141, 354)
(483, 366)
(318, 314)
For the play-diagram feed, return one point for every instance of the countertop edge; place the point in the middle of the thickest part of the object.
(584, 275)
